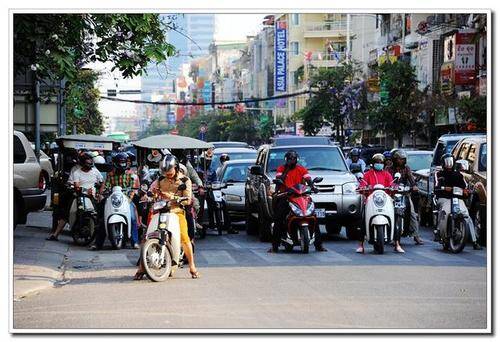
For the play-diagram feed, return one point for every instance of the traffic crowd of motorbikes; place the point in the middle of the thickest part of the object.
(159, 211)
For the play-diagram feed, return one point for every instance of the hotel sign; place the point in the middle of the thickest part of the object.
(280, 55)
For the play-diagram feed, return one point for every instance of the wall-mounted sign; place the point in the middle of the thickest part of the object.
(465, 59)
(447, 84)
(449, 49)
(280, 56)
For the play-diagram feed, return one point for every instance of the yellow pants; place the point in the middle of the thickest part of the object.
(184, 228)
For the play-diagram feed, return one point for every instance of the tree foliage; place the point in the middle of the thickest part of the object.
(82, 104)
(473, 110)
(156, 127)
(56, 46)
(334, 97)
(404, 103)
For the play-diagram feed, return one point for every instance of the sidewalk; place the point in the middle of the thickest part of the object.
(37, 263)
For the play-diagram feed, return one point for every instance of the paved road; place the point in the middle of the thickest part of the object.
(242, 286)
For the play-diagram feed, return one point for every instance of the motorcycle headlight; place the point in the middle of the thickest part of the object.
(349, 188)
(159, 205)
(379, 199)
(310, 208)
(116, 200)
(296, 210)
(234, 198)
(163, 218)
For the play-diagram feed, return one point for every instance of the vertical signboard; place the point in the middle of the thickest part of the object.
(280, 56)
(465, 58)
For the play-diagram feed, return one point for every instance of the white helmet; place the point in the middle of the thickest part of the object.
(99, 160)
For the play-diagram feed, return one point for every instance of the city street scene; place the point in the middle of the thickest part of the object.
(251, 172)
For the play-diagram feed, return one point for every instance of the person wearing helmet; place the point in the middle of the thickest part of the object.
(120, 176)
(354, 158)
(376, 175)
(388, 158)
(291, 173)
(167, 186)
(399, 166)
(209, 176)
(223, 159)
(85, 177)
(444, 181)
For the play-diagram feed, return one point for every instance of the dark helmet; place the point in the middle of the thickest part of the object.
(355, 152)
(399, 154)
(120, 161)
(378, 158)
(291, 158)
(447, 161)
(85, 160)
(224, 158)
(131, 156)
(169, 162)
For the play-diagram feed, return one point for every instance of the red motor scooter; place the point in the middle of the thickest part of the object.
(301, 221)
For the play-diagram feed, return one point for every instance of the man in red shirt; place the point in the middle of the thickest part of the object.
(292, 174)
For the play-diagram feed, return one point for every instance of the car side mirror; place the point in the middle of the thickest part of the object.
(318, 180)
(256, 170)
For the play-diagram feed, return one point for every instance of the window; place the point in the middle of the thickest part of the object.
(19, 153)
(313, 158)
(483, 157)
(462, 154)
(295, 19)
(294, 47)
(472, 154)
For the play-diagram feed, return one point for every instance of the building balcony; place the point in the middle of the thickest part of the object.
(327, 59)
(326, 29)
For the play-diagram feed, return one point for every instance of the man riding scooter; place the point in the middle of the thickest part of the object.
(291, 174)
(120, 176)
(354, 159)
(447, 178)
(376, 175)
(399, 166)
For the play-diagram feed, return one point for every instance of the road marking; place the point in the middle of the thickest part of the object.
(232, 243)
(440, 256)
(214, 257)
(331, 256)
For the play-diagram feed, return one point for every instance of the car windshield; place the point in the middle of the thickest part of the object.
(236, 173)
(419, 161)
(440, 150)
(312, 158)
(233, 156)
(483, 158)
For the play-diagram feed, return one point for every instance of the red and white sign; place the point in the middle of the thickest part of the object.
(465, 58)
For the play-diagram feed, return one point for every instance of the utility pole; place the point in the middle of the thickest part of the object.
(37, 118)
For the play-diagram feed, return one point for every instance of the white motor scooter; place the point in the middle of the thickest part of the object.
(161, 253)
(379, 216)
(117, 221)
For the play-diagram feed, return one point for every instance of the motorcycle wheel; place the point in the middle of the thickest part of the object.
(304, 239)
(379, 243)
(150, 255)
(458, 236)
(264, 227)
(84, 234)
(115, 237)
(288, 247)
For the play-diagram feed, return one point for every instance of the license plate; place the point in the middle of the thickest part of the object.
(320, 213)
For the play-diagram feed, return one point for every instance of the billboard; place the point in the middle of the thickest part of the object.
(465, 57)
(280, 56)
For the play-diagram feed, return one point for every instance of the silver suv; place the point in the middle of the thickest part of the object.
(29, 183)
(337, 203)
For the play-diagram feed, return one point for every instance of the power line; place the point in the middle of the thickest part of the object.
(283, 96)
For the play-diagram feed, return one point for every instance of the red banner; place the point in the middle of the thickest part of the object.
(465, 58)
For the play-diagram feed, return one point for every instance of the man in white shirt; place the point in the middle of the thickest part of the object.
(85, 177)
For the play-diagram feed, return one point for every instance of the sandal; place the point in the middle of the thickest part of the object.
(360, 250)
(418, 240)
(195, 274)
(139, 275)
(52, 238)
(399, 249)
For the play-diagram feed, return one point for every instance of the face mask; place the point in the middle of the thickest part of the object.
(378, 166)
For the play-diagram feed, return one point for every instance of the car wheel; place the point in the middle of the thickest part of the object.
(333, 228)
(479, 218)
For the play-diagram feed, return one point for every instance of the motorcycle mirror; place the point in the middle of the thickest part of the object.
(184, 179)
(182, 187)
(397, 175)
(318, 180)
(144, 187)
